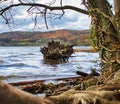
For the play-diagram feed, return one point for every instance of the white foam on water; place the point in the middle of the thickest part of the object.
(28, 62)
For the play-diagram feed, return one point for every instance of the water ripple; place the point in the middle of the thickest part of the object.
(28, 63)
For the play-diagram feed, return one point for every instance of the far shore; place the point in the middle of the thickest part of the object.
(86, 50)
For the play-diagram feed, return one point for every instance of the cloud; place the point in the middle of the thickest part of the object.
(71, 14)
(1, 27)
(81, 23)
(70, 20)
(44, 1)
(73, 20)
(21, 15)
(4, 28)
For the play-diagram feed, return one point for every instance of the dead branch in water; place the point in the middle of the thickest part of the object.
(57, 51)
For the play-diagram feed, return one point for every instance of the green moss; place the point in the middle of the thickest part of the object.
(93, 36)
(88, 83)
(93, 3)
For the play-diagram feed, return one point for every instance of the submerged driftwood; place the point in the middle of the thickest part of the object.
(57, 51)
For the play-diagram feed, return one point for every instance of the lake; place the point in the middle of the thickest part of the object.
(26, 63)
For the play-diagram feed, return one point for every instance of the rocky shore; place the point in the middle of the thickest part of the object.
(106, 92)
(91, 90)
(83, 90)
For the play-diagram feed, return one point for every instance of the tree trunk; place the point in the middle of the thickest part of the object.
(105, 33)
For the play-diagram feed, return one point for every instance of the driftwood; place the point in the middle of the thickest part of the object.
(82, 73)
(49, 88)
(57, 51)
(35, 81)
(93, 73)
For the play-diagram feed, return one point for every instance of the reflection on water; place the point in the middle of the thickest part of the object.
(27, 63)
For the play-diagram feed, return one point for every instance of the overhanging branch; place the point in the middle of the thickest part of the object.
(51, 8)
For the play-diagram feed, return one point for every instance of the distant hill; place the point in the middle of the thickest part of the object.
(23, 38)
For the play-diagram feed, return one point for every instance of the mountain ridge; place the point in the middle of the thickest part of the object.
(25, 38)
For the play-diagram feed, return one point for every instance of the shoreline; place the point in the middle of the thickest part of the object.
(91, 49)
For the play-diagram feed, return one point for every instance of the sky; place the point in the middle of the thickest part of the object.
(22, 21)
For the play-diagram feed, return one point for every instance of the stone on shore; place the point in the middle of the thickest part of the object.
(106, 93)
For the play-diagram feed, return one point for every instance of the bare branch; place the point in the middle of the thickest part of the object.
(51, 8)
(35, 8)
(35, 21)
(20, 1)
(6, 19)
(45, 18)
(61, 2)
(52, 2)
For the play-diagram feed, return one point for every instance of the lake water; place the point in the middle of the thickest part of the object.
(26, 63)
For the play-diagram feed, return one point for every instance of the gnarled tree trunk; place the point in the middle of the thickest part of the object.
(105, 31)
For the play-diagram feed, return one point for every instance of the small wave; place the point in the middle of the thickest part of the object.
(19, 65)
(24, 54)
(2, 61)
(14, 65)
(31, 54)
(12, 56)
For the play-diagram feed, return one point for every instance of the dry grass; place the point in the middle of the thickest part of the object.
(86, 50)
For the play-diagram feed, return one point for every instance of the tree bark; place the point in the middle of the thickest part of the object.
(106, 35)
(117, 13)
